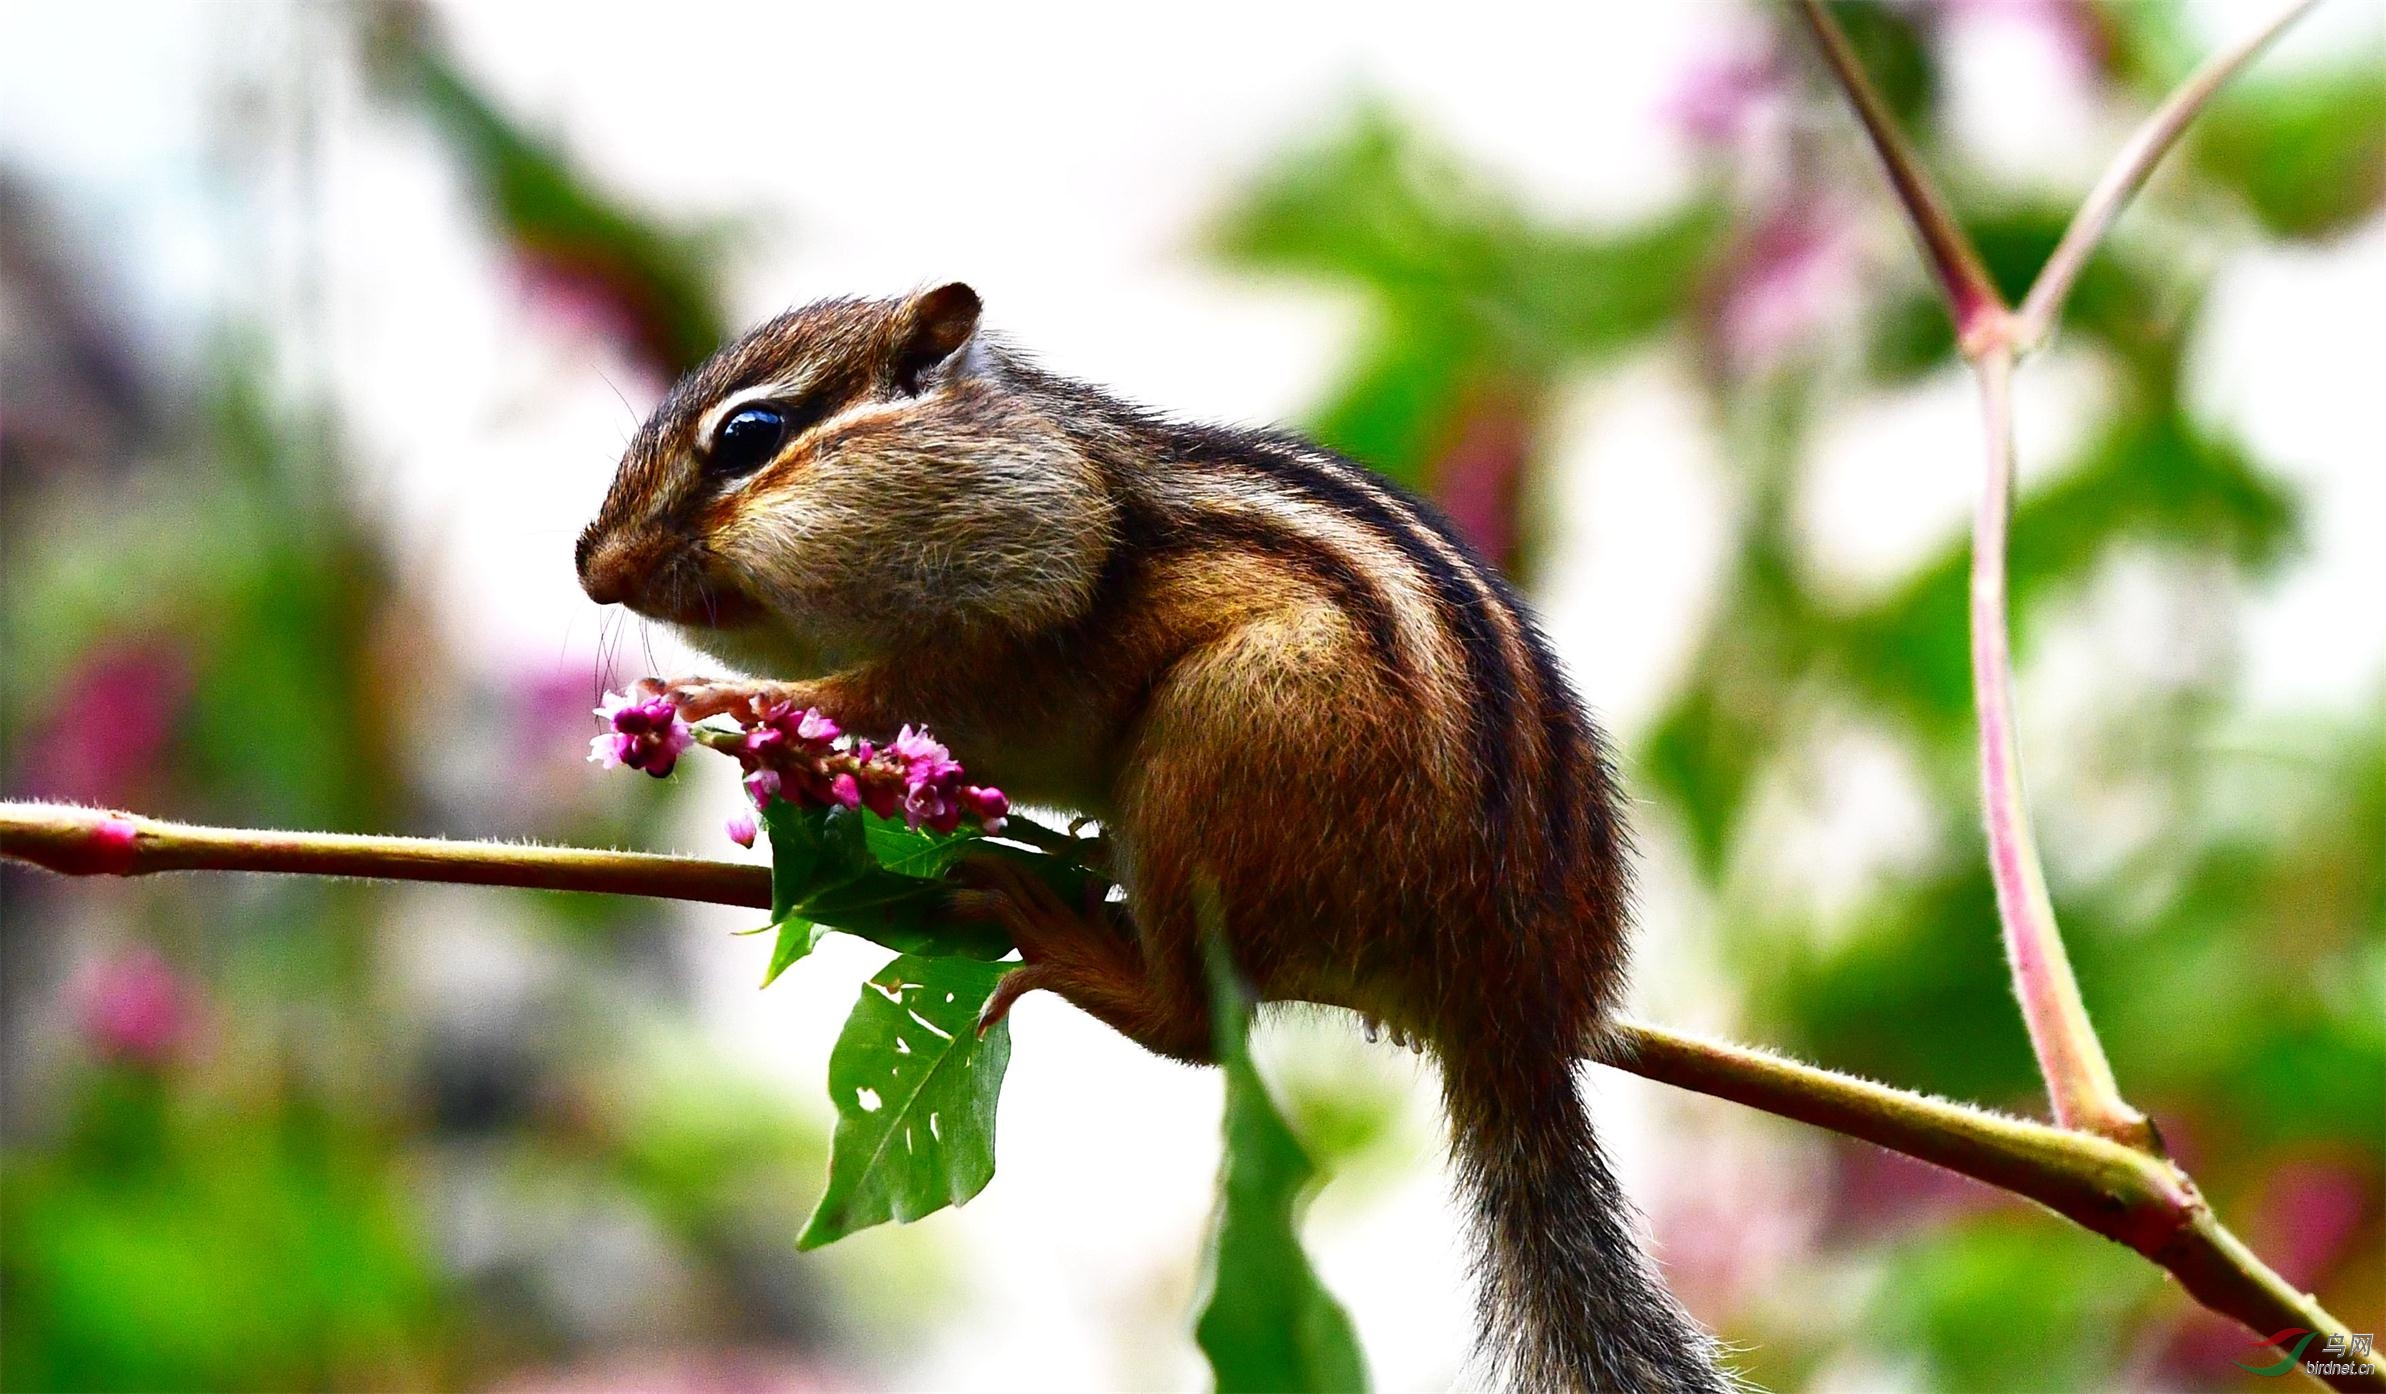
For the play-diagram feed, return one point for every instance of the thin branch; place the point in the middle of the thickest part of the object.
(1973, 300)
(2128, 173)
(98, 842)
(2079, 1080)
(2124, 1194)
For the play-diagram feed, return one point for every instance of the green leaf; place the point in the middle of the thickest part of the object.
(2308, 154)
(915, 1088)
(812, 851)
(906, 914)
(798, 937)
(1267, 1323)
(913, 851)
(848, 870)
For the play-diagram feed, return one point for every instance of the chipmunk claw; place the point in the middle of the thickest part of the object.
(698, 698)
(1020, 981)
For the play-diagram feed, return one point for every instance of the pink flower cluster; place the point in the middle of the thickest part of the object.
(805, 757)
(644, 735)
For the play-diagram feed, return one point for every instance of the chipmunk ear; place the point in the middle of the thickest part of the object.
(931, 327)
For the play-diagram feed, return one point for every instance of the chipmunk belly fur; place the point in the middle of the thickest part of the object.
(1268, 671)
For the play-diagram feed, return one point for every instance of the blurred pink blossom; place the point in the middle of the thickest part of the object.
(109, 725)
(1479, 480)
(2312, 1213)
(135, 1009)
(753, 1371)
(1728, 95)
(1791, 277)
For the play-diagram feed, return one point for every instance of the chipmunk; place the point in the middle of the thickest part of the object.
(1267, 671)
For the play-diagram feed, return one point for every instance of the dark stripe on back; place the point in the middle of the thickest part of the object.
(1492, 716)
(1496, 710)
(1310, 559)
(1575, 782)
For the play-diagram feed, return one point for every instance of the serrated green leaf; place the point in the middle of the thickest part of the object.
(915, 1087)
(914, 851)
(1267, 1325)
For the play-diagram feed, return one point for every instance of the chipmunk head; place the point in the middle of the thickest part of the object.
(850, 477)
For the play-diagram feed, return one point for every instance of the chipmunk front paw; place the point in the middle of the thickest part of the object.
(697, 698)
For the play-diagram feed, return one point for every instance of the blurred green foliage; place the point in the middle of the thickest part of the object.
(174, 1238)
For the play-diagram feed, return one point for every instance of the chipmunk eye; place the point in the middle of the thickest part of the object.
(747, 440)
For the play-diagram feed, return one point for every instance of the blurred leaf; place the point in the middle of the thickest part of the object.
(1267, 1324)
(179, 1240)
(1925, 950)
(657, 285)
(2308, 154)
(2012, 1301)
(2155, 481)
(1396, 405)
(1889, 47)
(916, 1089)
(1704, 755)
(1464, 289)
(1737, 707)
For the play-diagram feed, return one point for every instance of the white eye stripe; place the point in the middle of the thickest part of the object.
(722, 410)
(864, 410)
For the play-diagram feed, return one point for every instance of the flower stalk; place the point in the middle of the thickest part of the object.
(2081, 1088)
(2035, 320)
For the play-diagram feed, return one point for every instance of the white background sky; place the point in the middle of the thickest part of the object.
(1062, 159)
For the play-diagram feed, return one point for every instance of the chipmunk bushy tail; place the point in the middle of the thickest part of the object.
(1568, 1300)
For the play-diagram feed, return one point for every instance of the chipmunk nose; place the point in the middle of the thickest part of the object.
(607, 569)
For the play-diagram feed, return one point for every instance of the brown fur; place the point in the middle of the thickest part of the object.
(1266, 671)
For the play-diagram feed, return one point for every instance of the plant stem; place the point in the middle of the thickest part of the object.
(2128, 173)
(1973, 300)
(97, 842)
(2127, 1195)
(2079, 1079)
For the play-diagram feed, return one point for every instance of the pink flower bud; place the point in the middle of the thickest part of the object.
(742, 829)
